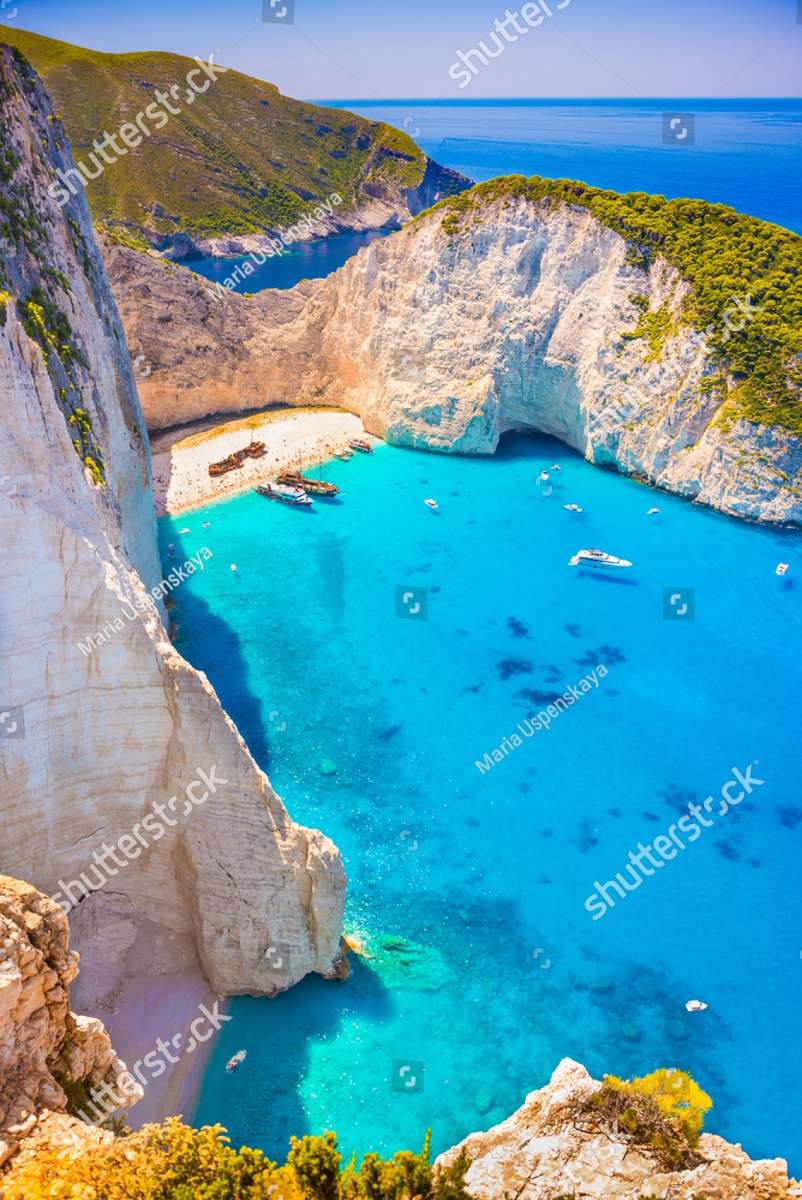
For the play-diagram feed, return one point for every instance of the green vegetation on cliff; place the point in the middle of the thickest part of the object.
(173, 1162)
(239, 158)
(745, 277)
(663, 1111)
(27, 277)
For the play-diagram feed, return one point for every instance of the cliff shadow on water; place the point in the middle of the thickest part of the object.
(224, 661)
(264, 1101)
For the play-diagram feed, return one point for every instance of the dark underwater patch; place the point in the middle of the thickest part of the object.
(534, 696)
(509, 667)
(677, 798)
(517, 628)
(607, 656)
(728, 851)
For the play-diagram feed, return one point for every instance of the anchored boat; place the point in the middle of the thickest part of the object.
(597, 558)
(318, 487)
(283, 492)
(362, 446)
(234, 1062)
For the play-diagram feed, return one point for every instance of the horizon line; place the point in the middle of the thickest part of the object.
(539, 99)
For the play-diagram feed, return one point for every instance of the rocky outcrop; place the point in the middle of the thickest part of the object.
(44, 1047)
(382, 205)
(546, 1150)
(445, 340)
(125, 790)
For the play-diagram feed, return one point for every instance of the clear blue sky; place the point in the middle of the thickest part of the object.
(379, 48)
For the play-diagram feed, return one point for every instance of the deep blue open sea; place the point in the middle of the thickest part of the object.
(747, 153)
(469, 888)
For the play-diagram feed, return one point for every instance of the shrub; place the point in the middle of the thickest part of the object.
(663, 1112)
(174, 1162)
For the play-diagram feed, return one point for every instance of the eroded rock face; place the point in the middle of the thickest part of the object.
(446, 341)
(100, 733)
(44, 1047)
(542, 1151)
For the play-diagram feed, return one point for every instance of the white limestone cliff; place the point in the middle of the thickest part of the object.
(547, 1150)
(445, 341)
(91, 742)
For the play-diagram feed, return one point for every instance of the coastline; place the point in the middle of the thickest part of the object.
(296, 438)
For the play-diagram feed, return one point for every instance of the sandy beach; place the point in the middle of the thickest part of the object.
(295, 438)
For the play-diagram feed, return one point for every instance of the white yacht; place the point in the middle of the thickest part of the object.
(597, 558)
(284, 492)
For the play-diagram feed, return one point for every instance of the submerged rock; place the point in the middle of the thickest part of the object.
(401, 963)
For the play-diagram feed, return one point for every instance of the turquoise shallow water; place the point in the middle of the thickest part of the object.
(500, 970)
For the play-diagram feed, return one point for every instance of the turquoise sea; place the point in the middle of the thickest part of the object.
(469, 887)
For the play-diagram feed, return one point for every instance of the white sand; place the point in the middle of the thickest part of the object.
(163, 1007)
(295, 438)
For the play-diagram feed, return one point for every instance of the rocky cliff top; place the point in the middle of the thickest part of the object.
(44, 1047)
(548, 1150)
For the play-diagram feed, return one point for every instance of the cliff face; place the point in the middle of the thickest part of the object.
(44, 1047)
(545, 1150)
(445, 340)
(101, 737)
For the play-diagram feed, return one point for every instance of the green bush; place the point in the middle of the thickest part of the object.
(663, 1111)
(174, 1162)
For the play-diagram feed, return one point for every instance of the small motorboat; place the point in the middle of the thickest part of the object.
(205, 524)
(184, 531)
(695, 1006)
(572, 508)
(543, 477)
(597, 558)
(284, 492)
(360, 445)
(652, 512)
(237, 1060)
(555, 467)
(782, 569)
(344, 455)
(234, 568)
(432, 504)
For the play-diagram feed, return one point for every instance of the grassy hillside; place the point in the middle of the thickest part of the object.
(241, 158)
(746, 277)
